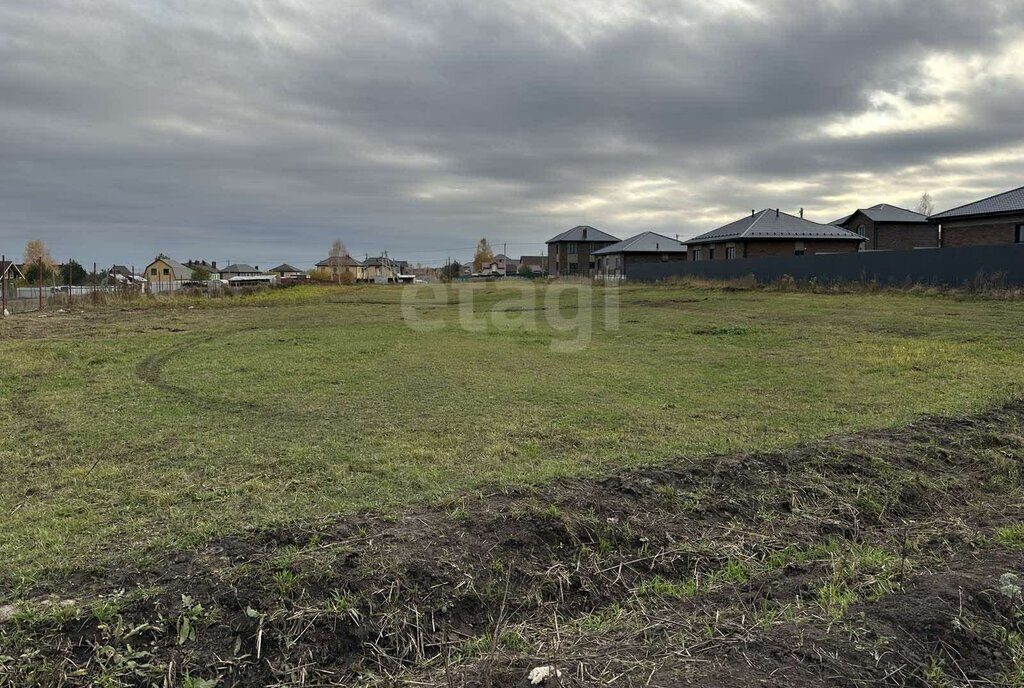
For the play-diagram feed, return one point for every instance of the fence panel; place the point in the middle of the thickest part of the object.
(938, 266)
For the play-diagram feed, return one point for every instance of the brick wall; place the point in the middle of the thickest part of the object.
(981, 232)
(558, 254)
(895, 236)
(769, 249)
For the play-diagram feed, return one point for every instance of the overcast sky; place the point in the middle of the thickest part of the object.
(261, 130)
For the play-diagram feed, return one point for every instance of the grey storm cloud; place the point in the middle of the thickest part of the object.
(261, 130)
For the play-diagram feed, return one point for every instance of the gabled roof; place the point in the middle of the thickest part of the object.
(238, 268)
(646, 242)
(7, 266)
(284, 267)
(883, 212)
(582, 233)
(345, 261)
(1007, 202)
(379, 261)
(180, 272)
(772, 224)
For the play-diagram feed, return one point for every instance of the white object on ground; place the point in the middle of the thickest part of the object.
(541, 674)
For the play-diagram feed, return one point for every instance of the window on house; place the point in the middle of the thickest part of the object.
(711, 254)
(572, 249)
(664, 257)
(167, 271)
(152, 271)
(696, 254)
(799, 252)
(730, 252)
(1020, 234)
(862, 230)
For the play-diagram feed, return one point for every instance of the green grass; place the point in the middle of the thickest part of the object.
(126, 433)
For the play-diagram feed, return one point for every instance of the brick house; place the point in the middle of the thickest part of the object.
(991, 221)
(534, 264)
(570, 254)
(771, 233)
(891, 228)
(647, 247)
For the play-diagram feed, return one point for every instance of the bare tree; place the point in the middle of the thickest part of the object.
(338, 249)
(35, 250)
(483, 256)
(925, 205)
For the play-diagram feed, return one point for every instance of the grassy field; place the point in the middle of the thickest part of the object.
(127, 432)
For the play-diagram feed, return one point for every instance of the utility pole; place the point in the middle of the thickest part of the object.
(40, 268)
(3, 285)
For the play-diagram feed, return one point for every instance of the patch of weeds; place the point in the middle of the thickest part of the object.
(514, 641)
(601, 620)
(461, 514)
(659, 587)
(1010, 537)
(191, 618)
(196, 682)
(725, 331)
(285, 582)
(835, 597)
(341, 602)
(935, 675)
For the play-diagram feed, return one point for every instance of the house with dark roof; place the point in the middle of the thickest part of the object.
(615, 260)
(891, 228)
(771, 233)
(203, 267)
(10, 271)
(286, 271)
(532, 264)
(380, 269)
(570, 254)
(342, 268)
(991, 221)
(240, 270)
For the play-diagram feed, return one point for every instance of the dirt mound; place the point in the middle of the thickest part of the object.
(882, 558)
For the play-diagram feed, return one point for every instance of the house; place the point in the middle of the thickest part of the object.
(570, 254)
(166, 274)
(991, 221)
(239, 270)
(286, 271)
(10, 271)
(503, 264)
(646, 247)
(891, 228)
(771, 233)
(534, 264)
(203, 267)
(343, 268)
(123, 276)
(380, 269)
(888, 227)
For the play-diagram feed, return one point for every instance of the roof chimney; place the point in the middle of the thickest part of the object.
(752, 212)
(801, 213)
(776, 212)
(584, 232)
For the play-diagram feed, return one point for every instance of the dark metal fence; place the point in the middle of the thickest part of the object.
(988, 265)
